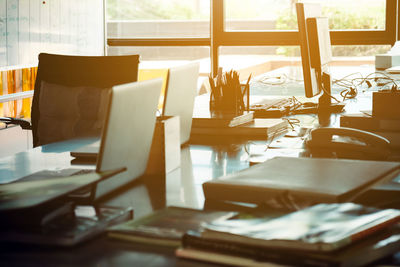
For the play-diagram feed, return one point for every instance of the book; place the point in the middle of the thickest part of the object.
(165, 227)
(322, 227)
(228, 259)
(263, 128)
(301, 182)
(202, 117)
(221, 120)
(385, 195)
(378, 246)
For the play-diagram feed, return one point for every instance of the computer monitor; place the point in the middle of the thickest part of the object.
(316, 54)
(305, 11)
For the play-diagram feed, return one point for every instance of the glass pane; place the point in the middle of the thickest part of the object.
(161, 58)
(278, 71)
(258, 15)
(256, 58)
(262, 62)
(359, 50)
(158, 18)
(281, 14)
(356, 14)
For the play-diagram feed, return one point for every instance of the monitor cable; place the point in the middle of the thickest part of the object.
(353, 85)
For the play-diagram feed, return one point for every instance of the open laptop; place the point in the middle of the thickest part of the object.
(127, 134)
(178, 101)
(180, 95)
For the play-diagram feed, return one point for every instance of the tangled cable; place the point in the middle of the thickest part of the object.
(352, 85)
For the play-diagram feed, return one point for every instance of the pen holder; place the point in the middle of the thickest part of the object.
(228, 96)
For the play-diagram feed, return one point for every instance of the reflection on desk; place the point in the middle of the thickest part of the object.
(181, 187)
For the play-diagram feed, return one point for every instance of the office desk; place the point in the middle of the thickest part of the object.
(181, 187)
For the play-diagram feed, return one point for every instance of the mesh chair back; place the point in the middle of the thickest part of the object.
(72, 72)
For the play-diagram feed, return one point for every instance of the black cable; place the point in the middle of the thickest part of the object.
(331, 96)
(349, 93)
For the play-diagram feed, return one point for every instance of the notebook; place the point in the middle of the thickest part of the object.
(301, 182)
(126, 137)
(179, 96)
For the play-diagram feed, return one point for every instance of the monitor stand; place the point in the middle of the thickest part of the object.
(325, 107)
(324, 102)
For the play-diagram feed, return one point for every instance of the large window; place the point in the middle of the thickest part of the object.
(159, 29)
(267, 28)
(258, 15)
(158, 18)
(262, 15)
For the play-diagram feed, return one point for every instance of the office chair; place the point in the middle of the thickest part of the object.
(70, 95)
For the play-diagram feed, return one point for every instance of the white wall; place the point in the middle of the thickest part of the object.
(28, 27)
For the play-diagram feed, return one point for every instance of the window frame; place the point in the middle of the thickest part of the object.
(221, 37)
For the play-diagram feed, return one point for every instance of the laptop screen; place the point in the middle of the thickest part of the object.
(128, 131)
(180, 94)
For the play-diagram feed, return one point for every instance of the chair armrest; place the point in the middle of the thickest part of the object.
(26, 125)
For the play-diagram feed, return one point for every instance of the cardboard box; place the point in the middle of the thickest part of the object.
(385, 104)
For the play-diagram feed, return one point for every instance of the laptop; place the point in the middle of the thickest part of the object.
(182, 84)
(127, 135)
(180, 95)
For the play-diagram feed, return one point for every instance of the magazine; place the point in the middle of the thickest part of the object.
(323, 227)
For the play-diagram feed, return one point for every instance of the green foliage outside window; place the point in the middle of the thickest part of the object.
(152, 10)
(343, 20)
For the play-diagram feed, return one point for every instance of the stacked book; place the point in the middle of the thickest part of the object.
(344, 234)
(337, 234)
(254, 128)
(206, 123)
(165, 227)
(221, 120)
